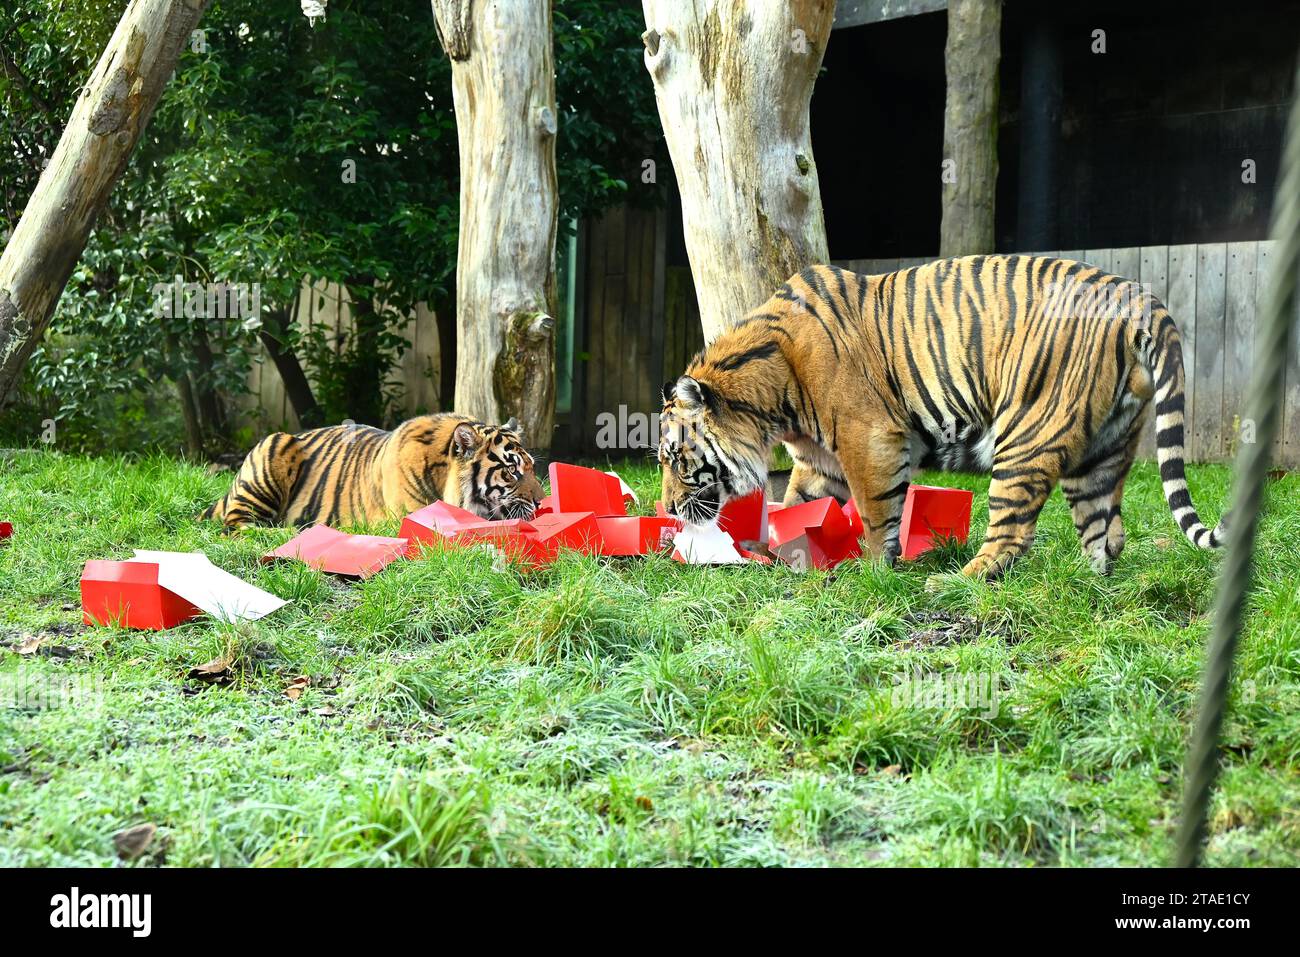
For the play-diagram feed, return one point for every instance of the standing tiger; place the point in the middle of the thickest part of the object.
(346, 474)
(992, 363)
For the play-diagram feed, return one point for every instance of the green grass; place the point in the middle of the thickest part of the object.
(625, 712)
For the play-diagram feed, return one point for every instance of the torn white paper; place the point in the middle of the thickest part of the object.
(223, 596)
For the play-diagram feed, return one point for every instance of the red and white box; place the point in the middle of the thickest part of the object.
(158, 590)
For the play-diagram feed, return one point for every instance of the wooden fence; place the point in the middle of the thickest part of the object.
(266, 408)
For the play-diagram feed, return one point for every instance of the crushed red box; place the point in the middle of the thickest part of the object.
(436, 522)
(578, 489)
(632, 534)
(340, 553)
(817, 534)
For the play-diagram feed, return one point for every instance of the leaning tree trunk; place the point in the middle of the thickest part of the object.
(106, 123)
(503, 83)
(733, 82)
(970, 127)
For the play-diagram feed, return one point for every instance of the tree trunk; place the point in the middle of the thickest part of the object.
(970, 127)
(207, 399)
(503, 83)
(185, 393)
(106, 123)
(275, 338)
(365, 369)
(733, 82)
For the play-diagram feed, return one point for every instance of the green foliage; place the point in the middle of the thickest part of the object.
(282, 150)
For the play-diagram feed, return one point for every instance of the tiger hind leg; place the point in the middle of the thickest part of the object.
(263, 485)
(1094, 493)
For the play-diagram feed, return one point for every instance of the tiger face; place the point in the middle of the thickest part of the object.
(497, 480)
(709, 454)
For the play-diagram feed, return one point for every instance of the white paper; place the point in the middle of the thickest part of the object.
(706, 545)
(223, 596)
(624, 487)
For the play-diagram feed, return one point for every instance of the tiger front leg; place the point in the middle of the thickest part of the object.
(878, 468)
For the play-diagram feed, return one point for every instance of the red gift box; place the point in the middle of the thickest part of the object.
(578, 489)
(577, 530)
(515, 537)
(128, 594)
(339, 553)
(522, 541)
(632, 534)
(162, 589)
(932, 514)
(745, 519)
(436, 522)
(817, 534)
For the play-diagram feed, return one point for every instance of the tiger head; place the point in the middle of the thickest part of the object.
(710, 452)
(496, 471)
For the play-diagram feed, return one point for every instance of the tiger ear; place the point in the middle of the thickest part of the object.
(693, 394)
(514, 426)
(465, 439)
(669, 387)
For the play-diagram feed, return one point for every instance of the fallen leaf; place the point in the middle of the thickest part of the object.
(30, 646)
(891, 769)
(1161, 542)
(644, 803)
(216, 671)
(296, 687)
(134, 841)
(325, 712)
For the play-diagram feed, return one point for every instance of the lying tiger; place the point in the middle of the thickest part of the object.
(989, 363)
(345, 474)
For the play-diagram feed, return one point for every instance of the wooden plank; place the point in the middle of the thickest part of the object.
(658, 316)
(611, 331)
(1265, 258)
(578, 428)
(856, 13)
(1153, 270)
(597, 251)
(1290, 445)
(1239, 339)
(420, 369)
(1126, 263)
(1182, 306)
(647, 381)
(1211, 304)
(877, 267)
(1287, 446)
(1101, 258)
(852, 265)
(629, 322)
